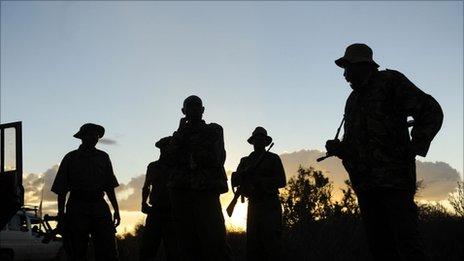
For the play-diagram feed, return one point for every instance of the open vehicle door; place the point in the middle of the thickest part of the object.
(11, 171)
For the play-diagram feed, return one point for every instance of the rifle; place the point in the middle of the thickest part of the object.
(238, 192)
(336, 138)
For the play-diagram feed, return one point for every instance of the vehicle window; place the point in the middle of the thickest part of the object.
(10, 150)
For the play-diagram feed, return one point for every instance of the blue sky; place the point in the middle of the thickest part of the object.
(129, 65)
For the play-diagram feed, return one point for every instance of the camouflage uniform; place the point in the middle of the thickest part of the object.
(87, 175)
(197, 180)
(379, 152)
(159, 224)
(264, 217)
(379, 156)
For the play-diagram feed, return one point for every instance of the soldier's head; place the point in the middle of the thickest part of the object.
(89, 134)
(259, 139)
(162, 144)
(358, 64)
(193, 108)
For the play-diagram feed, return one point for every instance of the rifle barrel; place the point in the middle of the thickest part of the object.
(323, 158)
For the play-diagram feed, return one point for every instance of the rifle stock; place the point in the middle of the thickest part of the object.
(231, 207)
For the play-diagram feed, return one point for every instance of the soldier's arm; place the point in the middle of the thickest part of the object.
(60, 184)
(112, 183)
(427, 113)
(146, 186)
(220, 151)
(61, 204)
(114, 202)
(61, 214)
(236, 178)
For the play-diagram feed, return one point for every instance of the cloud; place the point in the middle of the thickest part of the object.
(107, 141)
(438, 178)
(34, 184)
(130, 195)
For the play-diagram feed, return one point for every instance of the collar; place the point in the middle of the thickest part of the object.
(83, 151)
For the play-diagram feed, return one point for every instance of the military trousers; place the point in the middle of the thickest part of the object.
(264, 229)
(200, 226)
(390, 219)
(159, 227)
(89, 219)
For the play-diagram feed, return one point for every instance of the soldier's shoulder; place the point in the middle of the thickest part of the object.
(71, 154)
(102, 153)
(273, 155)
(390, 74)
(245, 158)
(152, 164)
(215, 127)
(215, 130)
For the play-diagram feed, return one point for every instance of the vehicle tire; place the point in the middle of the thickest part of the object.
(61, 256)
(6, 255)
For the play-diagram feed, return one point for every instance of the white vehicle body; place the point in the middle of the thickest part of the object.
(24, 234)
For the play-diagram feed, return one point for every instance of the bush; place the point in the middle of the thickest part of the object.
(457, 200)
(318, 228)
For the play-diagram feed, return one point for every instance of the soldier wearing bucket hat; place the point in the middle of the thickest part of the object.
(159, 224)
(90, 128)
(356, 53)
(379, 154)
(264, 218)
(260, 133)
(86, 174)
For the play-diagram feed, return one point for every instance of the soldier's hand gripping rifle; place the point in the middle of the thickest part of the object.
(239, 191)
(327, 155)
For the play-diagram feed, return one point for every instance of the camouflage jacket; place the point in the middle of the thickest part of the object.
(198, 157)
(263, 182)
(378, 150)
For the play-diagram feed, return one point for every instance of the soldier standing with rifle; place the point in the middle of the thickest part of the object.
(198, 178)
(87, 174)
(159, 224)
(379, 155)
(259, 177)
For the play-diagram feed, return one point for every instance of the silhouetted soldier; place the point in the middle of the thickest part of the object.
(198, 178)
(86, 173)
(159, 224)
(262, 174)
(379, 154)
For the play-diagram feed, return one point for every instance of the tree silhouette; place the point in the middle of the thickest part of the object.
(457, 200)
(308, 198)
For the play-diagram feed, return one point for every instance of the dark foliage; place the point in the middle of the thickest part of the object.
(318, 228)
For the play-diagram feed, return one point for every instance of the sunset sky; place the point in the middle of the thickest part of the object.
(129, 65)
